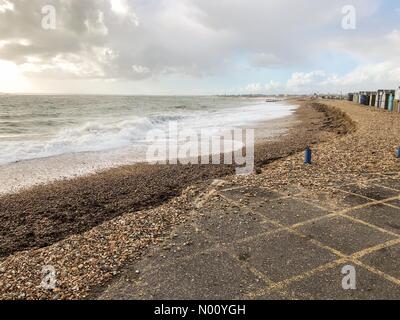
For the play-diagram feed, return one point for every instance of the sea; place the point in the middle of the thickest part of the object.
(42, 134)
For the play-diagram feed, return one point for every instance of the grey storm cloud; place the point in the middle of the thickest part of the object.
(137, 39)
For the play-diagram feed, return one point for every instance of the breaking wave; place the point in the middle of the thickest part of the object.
(105, 133)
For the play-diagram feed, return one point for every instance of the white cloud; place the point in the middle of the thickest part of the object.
(97, 26)
(140, 69)
(253, 88)
(122, 8)
(192, 37)
(198, 39)
(301, 79)
(371, 76)
(272, 86)
(119, 6)
(259, 88)
(370, 46)
(379, 56)
(63, 66)
(383, 75)
(266, 60)
(6, 5)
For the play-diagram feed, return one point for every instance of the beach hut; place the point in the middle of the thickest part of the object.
(390, 99)
(359, 97)
(382, 99)
(372, 98)
(377, 100)
(396, 107)
(385, 99)
(365, 98)
(350, 96)
(356, 97)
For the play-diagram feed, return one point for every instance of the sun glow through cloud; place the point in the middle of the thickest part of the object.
(6, 5)
(199, 47)
(119, 6)
(11, 79)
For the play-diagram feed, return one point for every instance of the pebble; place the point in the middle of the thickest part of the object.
(344, 159)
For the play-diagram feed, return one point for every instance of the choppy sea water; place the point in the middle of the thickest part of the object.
(34, 127)
(46, 138)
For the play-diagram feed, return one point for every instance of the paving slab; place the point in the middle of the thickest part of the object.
(274, 295)
(380, 215)
(331, 200)
(290, 211)
(240, 249)
(395, 203)
(327, 285)
(389, 183)
(185, 241)
(344, 235)
(351, 200)
(250, 196)
(371, 191)
(386, 260)
(214, 275)
(226, 227)
(225, 222)
(283, 255)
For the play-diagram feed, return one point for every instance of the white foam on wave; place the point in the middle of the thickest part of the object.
(106, 134)
(89, 137)
(97, 145)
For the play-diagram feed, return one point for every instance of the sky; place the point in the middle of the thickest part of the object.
(198, 47)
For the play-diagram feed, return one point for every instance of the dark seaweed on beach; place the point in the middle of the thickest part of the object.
(43, 215)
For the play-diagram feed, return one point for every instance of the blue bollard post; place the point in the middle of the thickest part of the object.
(398, 153)
(308, 156)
